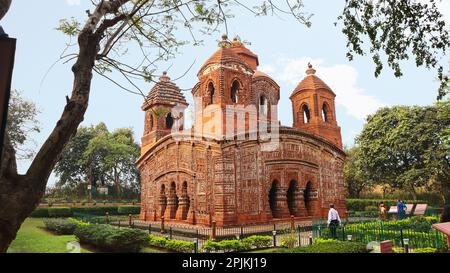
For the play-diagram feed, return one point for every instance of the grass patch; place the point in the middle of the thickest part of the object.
(32, 238)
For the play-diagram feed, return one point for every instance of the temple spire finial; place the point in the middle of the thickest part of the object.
(310, 70)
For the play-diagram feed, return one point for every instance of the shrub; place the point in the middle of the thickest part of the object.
(77, 222)
(60, 226)
(425, 250)
(96, 210)
(289, 240)
(324, 241)
(258, 241)
(371, 208)
(125, 210)
(59, 212)
(40, 212)
(361, 204)
(111, 238)
(248, 243)
(332, 247)
(176, 245)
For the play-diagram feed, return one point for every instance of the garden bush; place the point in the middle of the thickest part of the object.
(331, 247)
(40, 212)
(248, 243)
(425, 250)
(96, 210)
(289, 240)
(112, 239)
(361, 204)
(258, 241)
(60, 226)
(176, 245)
(59, 212)
(125, 210)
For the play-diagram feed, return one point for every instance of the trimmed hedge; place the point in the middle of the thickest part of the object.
(361, 204)
(331, 247)
(59, 212)
(93, 210)
(125, 210)
(176, 245)
(252, 242)
(60, 226)
(96, 210)
(40, 213)
(112, 239)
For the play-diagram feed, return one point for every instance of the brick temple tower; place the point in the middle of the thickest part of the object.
(313, 108)
(164, 108)
(229, 78)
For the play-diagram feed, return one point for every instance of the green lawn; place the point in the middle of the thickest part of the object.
(31, 238)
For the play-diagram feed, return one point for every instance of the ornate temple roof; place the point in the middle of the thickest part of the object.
(164, 92)
(311, 82)
(233, 51)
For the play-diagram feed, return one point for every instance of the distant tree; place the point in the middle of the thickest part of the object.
(355, 180)
(115, 155)
(73, 168)
(402, 146)
(21, 123)
(97, 157)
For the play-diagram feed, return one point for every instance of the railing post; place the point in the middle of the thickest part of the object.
(129, 220)
(299, 236)
(119, 224)
(162, 225)
(401, 237)
(170, 233)
(310, 240)
(213, 231)
(292, 223)
(107, 218)
(242, 231)
(343, 233)
(196, 246)
(274, 234)
(149, 228)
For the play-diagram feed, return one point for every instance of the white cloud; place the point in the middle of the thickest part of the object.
(341, 78)
(73, 2)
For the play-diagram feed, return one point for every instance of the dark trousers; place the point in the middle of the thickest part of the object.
(333, 226)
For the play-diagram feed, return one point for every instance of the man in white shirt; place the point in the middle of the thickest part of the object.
(333, 221)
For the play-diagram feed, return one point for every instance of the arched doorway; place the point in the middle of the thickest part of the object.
(293, 187)
(307, 197)
(272, 198)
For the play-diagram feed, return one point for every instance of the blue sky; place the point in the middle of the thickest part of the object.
(284, 48)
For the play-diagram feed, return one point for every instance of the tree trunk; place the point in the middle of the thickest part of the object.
(21, 194)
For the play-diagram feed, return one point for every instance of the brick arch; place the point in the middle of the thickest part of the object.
(240, 87)
(327, 112)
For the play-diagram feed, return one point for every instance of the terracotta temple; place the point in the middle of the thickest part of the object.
(237, 165)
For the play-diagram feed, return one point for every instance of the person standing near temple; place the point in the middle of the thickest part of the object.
(333, 221)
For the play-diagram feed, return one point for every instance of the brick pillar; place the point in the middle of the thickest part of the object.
(171, 210)
(281, 209)
(183, 207)
(299, 204)
(162, 205)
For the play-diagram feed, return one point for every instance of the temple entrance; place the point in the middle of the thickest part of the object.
(272, 199)
(307, 197)
(293, 186)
